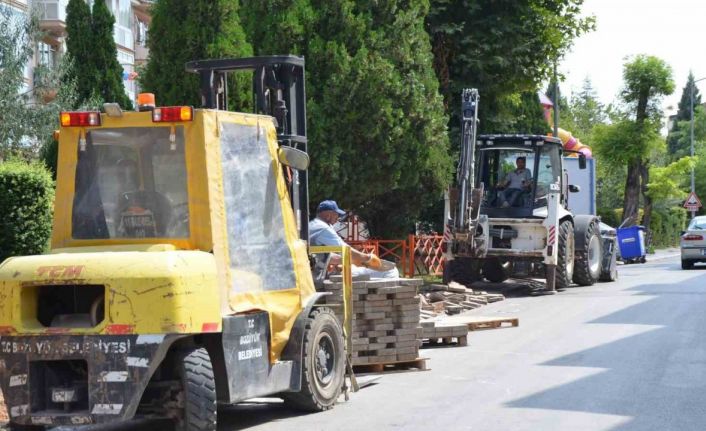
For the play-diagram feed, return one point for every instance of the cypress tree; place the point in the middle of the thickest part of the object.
(678, 141)
(376, 119)
(684, 110)
(183, 31)
(109, 82)
(79, 47)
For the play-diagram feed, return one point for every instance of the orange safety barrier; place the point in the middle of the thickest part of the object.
(419, 255)
(428, 257)
(393, 250)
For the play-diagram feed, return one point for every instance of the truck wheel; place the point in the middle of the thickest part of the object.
(323, 363)
(565, 259)
(588, 259)
(687, 264)
(462, 270)
(199, 392)
(496, 271)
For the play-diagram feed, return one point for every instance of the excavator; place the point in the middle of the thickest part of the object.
(495, 229)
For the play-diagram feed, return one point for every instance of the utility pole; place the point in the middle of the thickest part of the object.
(691, 138)
(556, 103)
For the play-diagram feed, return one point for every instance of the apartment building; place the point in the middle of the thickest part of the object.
(132, 19)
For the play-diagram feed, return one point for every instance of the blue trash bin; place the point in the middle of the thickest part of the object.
(631, 241)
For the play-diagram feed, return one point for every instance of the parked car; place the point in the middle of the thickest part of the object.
(693, 243)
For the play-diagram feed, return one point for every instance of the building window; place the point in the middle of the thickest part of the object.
(122, 10)
(46, 55)
(141, 33)
(127, 61)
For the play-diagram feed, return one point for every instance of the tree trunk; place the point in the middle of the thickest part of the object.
(645, 179)
(631, 201)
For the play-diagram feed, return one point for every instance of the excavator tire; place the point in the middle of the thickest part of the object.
(565, 259)
(462, 270)
(496, 271)
(323, 363)
(588, 254)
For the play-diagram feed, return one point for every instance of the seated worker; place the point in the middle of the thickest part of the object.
(515, 184)
(321, 233)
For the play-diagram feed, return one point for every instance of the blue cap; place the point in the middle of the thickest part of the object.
(330, 206)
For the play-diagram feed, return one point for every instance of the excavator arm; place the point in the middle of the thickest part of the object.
(463, 217)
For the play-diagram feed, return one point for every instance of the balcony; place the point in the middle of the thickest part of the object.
(141, 9)
(141, 54)
(52, 15)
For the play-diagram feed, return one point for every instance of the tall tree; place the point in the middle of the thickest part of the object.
(25, 123)
(108, 82)
(586, 112)
(502, 47)
(79, 47)
(183, 31)
(646, 80)
(528, 115)
(675, 139)
(684, 107)
(376, 120)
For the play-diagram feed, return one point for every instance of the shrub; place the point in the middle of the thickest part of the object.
(26, 205)
(666, 225)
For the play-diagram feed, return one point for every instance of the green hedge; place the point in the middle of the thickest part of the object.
(26, 205)
(665, 226)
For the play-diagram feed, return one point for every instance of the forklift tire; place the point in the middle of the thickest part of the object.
(323, 364)
(565, 258)
(199, 391)
(462, 270)
(494, 271)
(18, 427)
(588, 260)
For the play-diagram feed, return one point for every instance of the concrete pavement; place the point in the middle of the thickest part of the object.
(625, 356)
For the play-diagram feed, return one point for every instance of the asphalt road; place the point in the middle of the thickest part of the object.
(629, 355)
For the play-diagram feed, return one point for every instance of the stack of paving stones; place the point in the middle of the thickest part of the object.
(445, 333)
(385, 318)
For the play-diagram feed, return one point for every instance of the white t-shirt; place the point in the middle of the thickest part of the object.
(516, 177)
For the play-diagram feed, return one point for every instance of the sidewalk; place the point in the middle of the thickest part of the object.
(664, 253)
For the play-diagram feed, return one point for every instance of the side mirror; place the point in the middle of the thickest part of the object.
(582, 161)
(682, 232)
(293, 158)
(574, 188)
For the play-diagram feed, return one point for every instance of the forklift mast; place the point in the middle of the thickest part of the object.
(279, 91)
(465, 174)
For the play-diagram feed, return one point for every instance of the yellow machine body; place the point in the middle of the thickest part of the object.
(185, 284)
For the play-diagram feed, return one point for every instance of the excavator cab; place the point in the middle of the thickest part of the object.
(517, 173)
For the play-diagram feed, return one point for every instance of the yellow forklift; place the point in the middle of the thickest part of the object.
(179, 276)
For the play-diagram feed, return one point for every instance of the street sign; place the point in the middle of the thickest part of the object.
(692, 203)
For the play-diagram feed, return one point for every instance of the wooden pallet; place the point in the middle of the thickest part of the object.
(419, 364)
(449, 341)
(477, 323)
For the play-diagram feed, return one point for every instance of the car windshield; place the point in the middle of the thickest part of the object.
(131, 183)
(697, 224)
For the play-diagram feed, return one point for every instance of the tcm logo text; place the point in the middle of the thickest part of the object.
(60, 271)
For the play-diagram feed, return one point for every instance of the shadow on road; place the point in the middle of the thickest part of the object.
(250, 414)
(657, 377)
